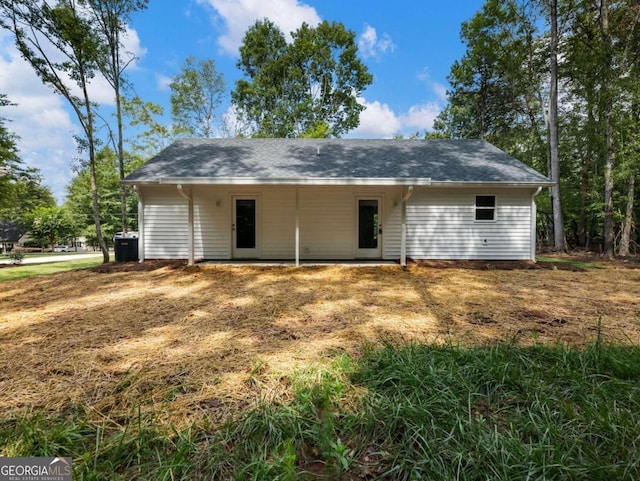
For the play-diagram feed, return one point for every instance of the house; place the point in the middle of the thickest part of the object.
(335, 199)
(10, 234)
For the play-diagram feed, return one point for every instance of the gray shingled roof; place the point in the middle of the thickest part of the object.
(439, 160)
(10, 231)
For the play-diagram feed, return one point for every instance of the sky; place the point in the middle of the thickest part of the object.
(408, 46)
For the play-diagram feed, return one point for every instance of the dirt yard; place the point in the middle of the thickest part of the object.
(187, 341)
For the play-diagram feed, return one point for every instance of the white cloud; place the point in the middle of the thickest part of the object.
(99, 88)
(379, 121)
(440, 91)
(163, 82)
(437, 88)
(131, 47)
(370, 46)
(40, 119)
(239, 15)
(423, 75)
(420, 117)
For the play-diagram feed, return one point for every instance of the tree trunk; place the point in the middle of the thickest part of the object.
(92, 172)
(607, 113)
(583, 228)
(94, 202)
(115, 62)
(558, 221)
(123, 188)
(625, 241)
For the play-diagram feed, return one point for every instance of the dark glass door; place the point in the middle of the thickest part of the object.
(368, 224)
(245, 225)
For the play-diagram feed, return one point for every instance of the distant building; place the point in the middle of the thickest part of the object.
(10, 234)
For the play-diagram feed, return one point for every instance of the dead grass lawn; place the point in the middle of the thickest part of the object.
(187, 342)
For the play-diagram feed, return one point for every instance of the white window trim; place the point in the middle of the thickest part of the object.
(494, 208)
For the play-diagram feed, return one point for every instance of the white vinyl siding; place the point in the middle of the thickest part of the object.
(212, 217)
(440, 222)
(441, 225)
(327, 223)
(277, 234)
(166, 230)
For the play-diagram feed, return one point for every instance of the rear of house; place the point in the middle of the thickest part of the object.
(334, 199)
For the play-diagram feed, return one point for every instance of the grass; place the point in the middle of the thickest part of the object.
(400, 411)
(31, 270)
(572, 262)
(217, 372)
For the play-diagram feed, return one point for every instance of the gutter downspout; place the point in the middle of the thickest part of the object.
(403, 226)
(140, 224)
(534, 213)
(190, 210)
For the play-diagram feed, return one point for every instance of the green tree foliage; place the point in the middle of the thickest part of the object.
(10, 163)
(60, 43)
(9, 157)
(196, 97)
(23, 195)
(309, 87)
(496, 86)
(151, 136)
(501, 91)
(601, 68)
(79, 194)
(111, 17)
(21, 188)
(50, 225)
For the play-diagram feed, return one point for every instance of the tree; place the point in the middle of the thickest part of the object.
(21, 188)
(9, 157)
(155, 136)
(111, 17)
(10, 163)
(602, 60)
(309, 86)
(555, 83)
(499, 87)
(196, 96)
(496, 87)
(78, 201)
(49, 225)
(24, 194)
(62, 47)
(554, 158)
(607, 111)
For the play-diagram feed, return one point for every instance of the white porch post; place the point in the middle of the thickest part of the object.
(140, 224)
(534, 213)
(297, 227)
(403, 234)
(189, 198)
(403, 227)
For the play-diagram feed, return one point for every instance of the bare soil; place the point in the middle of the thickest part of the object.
(186, 342)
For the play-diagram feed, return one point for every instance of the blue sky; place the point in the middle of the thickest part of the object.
(408, 46)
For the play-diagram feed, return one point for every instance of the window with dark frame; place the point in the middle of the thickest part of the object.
(485, 207)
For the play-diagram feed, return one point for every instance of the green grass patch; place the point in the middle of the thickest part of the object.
(30, 270)
(400, 412)
(572, 262)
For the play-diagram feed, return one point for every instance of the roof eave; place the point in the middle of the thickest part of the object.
(329, 181)
(403, 181)
(492, 184)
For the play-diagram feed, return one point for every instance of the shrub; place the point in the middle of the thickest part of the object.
(16, 257)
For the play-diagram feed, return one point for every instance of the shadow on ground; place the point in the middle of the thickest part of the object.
(189, 341)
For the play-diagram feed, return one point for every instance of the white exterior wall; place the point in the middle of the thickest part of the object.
(441, 225)
(440, 222)
(165, 230)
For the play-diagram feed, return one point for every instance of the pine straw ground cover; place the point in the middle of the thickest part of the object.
(188, 343)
